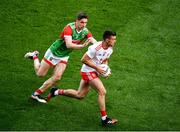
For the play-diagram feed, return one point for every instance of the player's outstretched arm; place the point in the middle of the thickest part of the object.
(92, 40)
(71, 45)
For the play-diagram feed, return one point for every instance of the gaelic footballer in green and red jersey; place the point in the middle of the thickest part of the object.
(59, 49)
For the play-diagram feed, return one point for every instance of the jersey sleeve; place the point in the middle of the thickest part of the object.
(91, 51)
(67, 32)
(89, 35)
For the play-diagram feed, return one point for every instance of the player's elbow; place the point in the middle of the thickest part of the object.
(68, 46)
(80, 96)
(83, 60)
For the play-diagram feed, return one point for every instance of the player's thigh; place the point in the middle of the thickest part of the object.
(98, 85)
(43, 69)
(83, 88)
(59, 70)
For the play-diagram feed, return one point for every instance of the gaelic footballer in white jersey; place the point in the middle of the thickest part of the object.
(98, 55)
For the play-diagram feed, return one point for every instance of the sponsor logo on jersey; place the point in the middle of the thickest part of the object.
(51, 58)
(83, 35)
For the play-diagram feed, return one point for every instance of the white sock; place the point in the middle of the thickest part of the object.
(56, 92)
(35, 93)
(36, 62)
(104, 117)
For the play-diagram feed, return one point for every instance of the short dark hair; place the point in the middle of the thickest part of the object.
(81, 15)
(108, 34)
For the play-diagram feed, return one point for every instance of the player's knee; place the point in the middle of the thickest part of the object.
(80, 97)
(102, 92)
(56, 78)
(40, 74)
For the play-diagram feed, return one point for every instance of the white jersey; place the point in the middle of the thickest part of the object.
(98, 54)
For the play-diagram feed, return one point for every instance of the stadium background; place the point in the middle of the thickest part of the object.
(143, 91)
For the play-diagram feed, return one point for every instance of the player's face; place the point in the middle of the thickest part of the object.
(81, 23)
(111, 41)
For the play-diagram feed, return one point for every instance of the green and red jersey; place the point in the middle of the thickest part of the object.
(59, 49)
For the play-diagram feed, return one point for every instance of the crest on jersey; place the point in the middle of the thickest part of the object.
(104, 53)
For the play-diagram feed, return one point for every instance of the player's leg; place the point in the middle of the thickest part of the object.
(33, 56)
(47, 62)
(42, 68)
(58, 72)
(99, 87)
(78, 94)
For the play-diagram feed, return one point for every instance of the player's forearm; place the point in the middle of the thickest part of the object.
(92, 40)
(105, 62)
(89, 63)
(74, 46)
(70, 44)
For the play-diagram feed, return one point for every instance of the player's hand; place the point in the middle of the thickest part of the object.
(100, 70)
(108, 75)
(85, 44)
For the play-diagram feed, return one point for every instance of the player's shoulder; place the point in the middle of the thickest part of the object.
(110, 50)
(71, 25)
(96, 45)
(85, 29)
(68, 27)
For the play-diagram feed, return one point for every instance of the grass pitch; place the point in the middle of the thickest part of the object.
(143, 91)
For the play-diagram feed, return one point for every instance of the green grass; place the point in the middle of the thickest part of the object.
(143, 91)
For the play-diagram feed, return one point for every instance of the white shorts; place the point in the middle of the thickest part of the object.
(54, 60)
